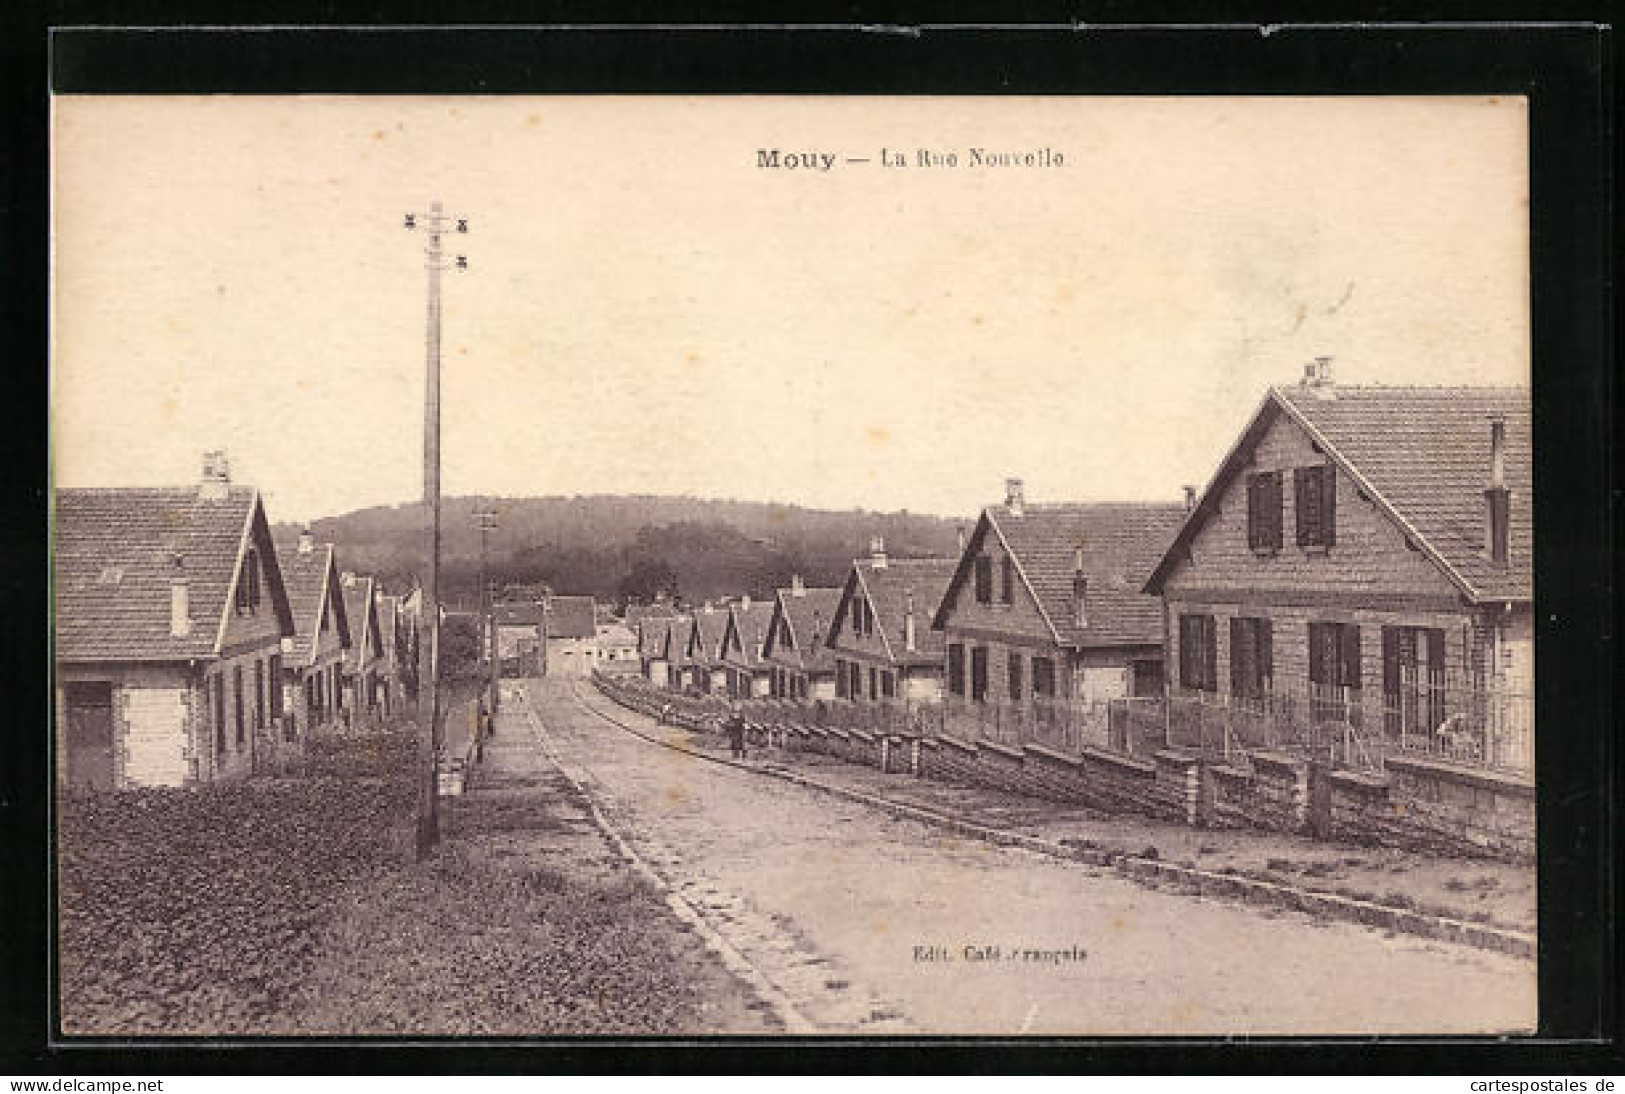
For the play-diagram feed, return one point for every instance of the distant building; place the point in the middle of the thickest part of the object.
(570, 627)
(313, 665)
(364, 663)
(519, 638)
(617, 647)
(746, 672)
(707, 670)
(652, 633)
(170, 618)
(881, 638)
(800, 665)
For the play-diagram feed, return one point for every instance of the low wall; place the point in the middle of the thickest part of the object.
(1415, 804)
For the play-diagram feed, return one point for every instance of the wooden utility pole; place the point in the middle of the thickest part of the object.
(488, 621)
(429, 712)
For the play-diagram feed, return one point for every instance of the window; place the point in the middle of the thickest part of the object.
(259, 694)
(956, 669)
(1264, 511)
(275, 672)
(978, 673)
(1315, 489)
(1251, 657)
(237, 692)
(888, 685)
(1007, 585)
(857, 680)
(1044, 677)
(1015, 675)
(1334, 672)
(984, 579)
(1198, 653)
(219, 713)
(248, 585)
(841, 681)
(1412, 679)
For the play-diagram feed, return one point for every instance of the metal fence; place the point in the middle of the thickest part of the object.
(1426, 714)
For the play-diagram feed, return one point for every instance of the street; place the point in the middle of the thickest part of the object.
(871, 924)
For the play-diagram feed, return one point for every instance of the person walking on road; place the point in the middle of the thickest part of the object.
(736, 731)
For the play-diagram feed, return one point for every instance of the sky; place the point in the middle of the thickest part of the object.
(649, 310)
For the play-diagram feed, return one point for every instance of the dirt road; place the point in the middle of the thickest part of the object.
(873, 924)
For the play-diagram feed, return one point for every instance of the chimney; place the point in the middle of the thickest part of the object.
(877, 552)
(1015, 497)
(307, 541)
(1190, 498)
(961, 539)
(908, 620)
(1497, 498)
(180, 599)
(1317, 377)
(797, 588)
(744, 603)
(347, 579)
(216, 481)
(1080, 589)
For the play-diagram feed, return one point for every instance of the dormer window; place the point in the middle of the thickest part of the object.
(248, 585)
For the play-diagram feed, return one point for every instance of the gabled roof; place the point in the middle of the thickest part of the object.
(312, 582)
(888, 588)
(116, 552)
(809, 616)
(637, 613)
(1121, 543)
(652, 636)
(710, 626)
(1422, 454)
(677, 629)
(750, 623)
(571, 617)
(388, 610)
(361, 605)
(517, 614)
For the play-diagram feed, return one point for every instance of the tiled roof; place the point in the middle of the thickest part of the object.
(571, 617)
(1424, 455)
(1121, 544)
(889, 587)
(360, 605)
(114, 555)
(637, 613)
(677, 628)
(712, 626)
(752, 624)
(1426, 451)
(517, 615)
(305, 576)
(652, 635)
(810, 616)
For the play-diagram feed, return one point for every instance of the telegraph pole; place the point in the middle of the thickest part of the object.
(435, 223)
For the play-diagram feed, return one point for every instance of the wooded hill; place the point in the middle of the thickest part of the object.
(617, 546)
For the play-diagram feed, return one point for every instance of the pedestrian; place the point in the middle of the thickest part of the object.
(736, 731)
(665, 714)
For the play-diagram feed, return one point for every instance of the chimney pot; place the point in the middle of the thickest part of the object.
(877, 552)
(961, 531)
(1497, 498)
(216, 482)
(908, 620)
(1080, 595)
(1190, 498)
(1015, 497)
(797, 586)
(1318, 377)
(307, 541)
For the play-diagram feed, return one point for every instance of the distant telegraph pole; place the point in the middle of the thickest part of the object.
(488, 524)
(435, 223)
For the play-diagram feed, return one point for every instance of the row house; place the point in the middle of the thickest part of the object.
(1362, 555)
(1046, 609)
(679, 667)
(742, 644)
(390, 637)
(880, 638)
(519, 640)
(313, 661)
(170, 618)
(800, 665)
(364, 660)
(652, 633)
(570, 628)
(708, 629)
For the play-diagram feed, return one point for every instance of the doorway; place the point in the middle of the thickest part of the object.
(90, 734)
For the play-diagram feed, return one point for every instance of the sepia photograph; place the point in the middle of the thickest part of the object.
(755, 566)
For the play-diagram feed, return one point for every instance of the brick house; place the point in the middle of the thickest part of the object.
(570, 633)
(1045, 612)
(880, 636)
(743, 639)
(1362, 557)
(364, 658)
(169, 621)
(674, 652)
(708, 628)
(313, 666)
(800, 665)
(652, 634)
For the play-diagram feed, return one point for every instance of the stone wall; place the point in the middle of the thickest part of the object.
(1422, 805)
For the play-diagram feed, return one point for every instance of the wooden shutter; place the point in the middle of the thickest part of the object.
(1264, 647)
(1390, 661)
(1300, 505)
(1185, 652)
(1328, 505)
(1210, 653)
(1015, 675)
(1317, 653)
(978, 672)
(1239, 653)
(1272, 496)
(1253, 511)
(1007, 592)
(1349, 656)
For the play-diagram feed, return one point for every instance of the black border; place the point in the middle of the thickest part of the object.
(1566, 71)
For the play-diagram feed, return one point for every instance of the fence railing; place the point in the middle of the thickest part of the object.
(1428, 715)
